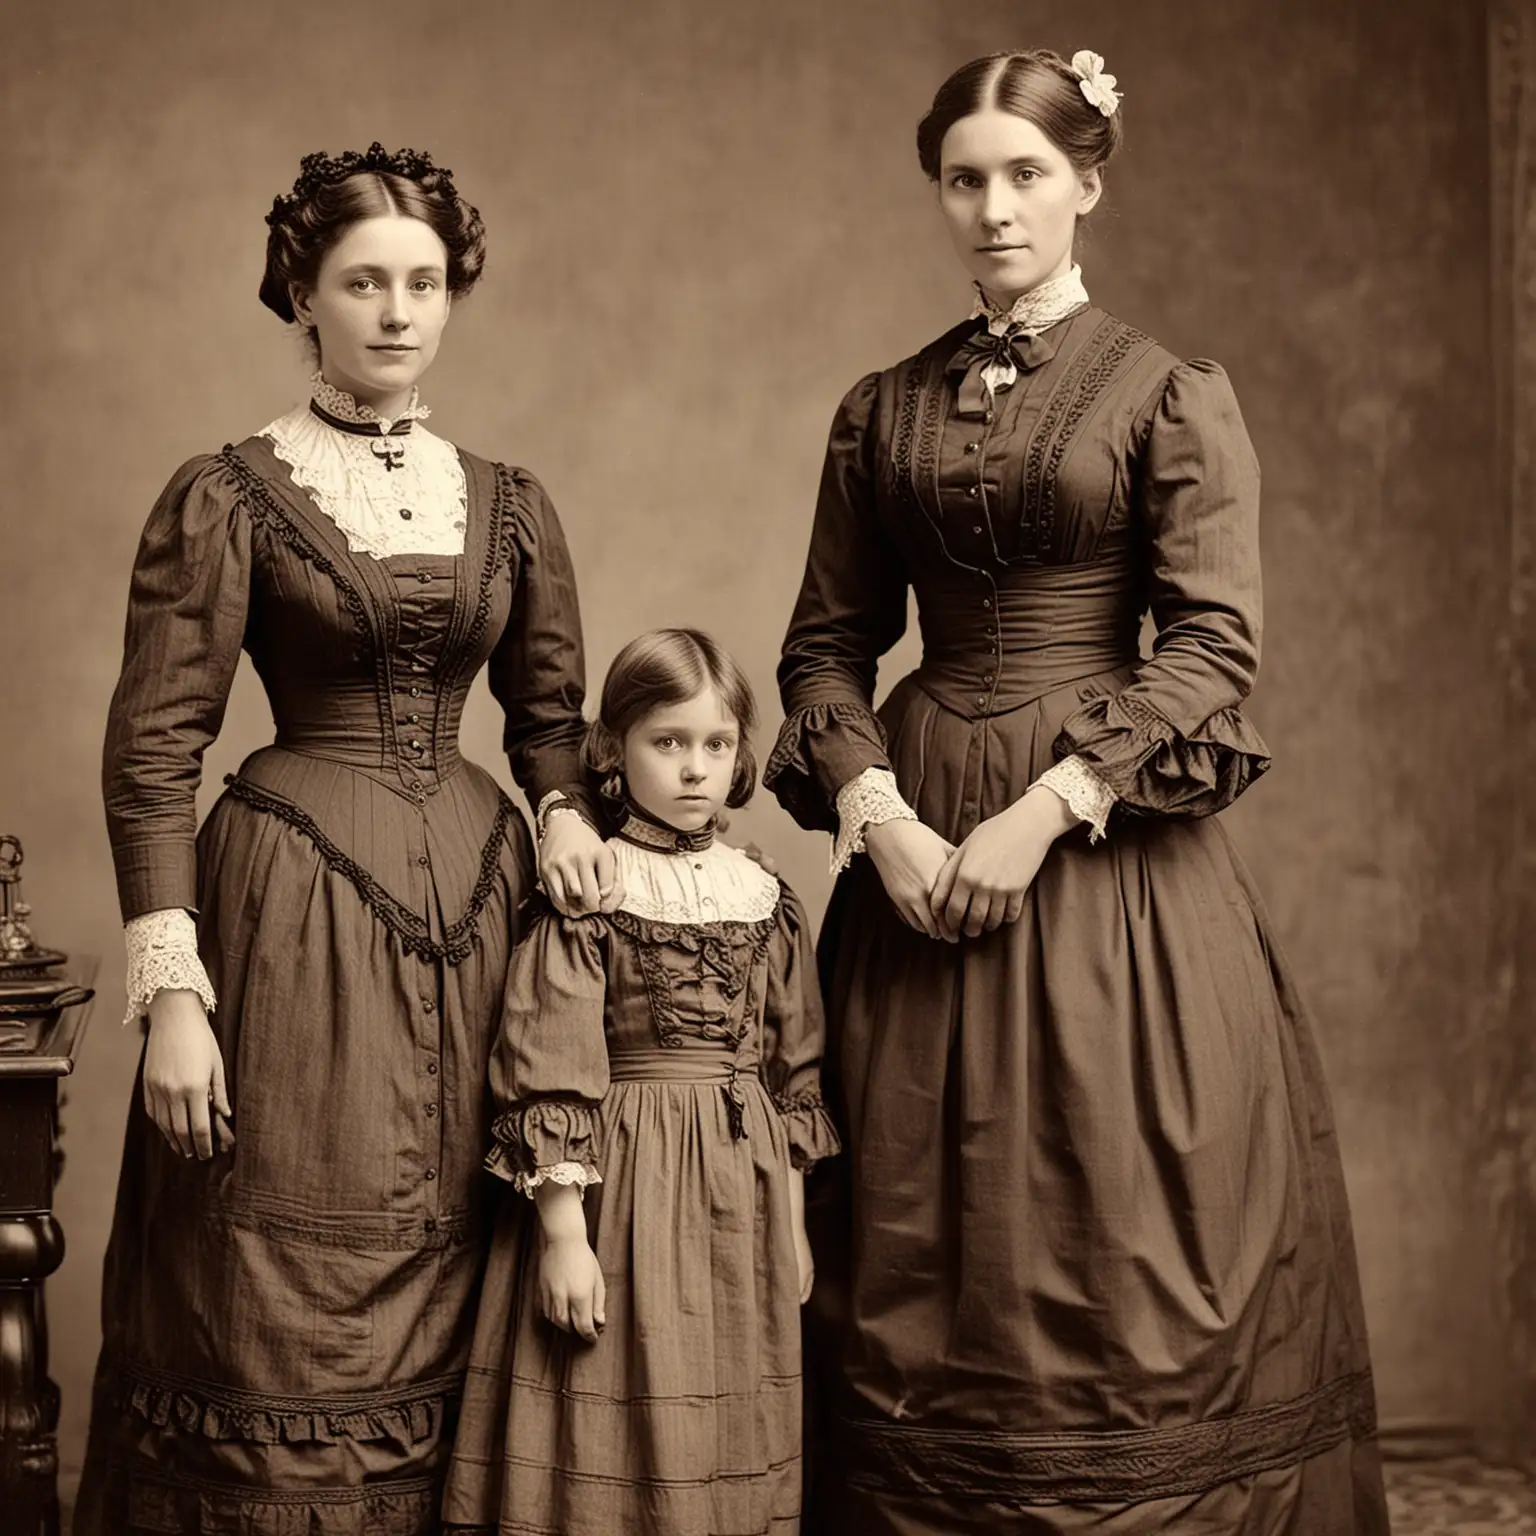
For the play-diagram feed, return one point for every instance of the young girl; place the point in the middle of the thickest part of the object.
(636, 1365)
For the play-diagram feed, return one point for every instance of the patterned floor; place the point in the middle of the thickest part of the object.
(1460, 1498)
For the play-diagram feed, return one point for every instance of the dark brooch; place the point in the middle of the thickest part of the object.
(320, 170)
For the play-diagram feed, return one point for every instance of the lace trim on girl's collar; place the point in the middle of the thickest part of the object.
(1037, 310)
(687, 887)
(339, 403)
(649, 833)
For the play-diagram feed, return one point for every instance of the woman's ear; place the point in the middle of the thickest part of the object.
(299, 298)
(1092, 183)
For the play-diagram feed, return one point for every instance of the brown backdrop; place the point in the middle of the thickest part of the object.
(706, 221)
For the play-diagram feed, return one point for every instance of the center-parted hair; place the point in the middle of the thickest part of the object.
(1037, 85)
(657, 670)
(321, 215)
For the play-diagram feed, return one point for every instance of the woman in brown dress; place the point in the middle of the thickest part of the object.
(1087, 1262)
(301, 1218)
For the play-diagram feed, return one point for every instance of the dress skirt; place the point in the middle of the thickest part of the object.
(1086, 1264)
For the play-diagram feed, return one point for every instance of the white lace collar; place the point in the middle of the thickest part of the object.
(1037, 310)
(349, 408)
(718, 884)
(418, 507)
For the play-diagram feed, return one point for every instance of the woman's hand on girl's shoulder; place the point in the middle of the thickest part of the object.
(572, 1294)
(184, 1092)
(909, 857)
(985, 880)
(578, 868)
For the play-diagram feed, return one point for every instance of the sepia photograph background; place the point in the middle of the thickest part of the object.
(706, 222)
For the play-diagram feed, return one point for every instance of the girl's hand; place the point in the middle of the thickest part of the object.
(909, 856)
(571, 1290)
(578, 868)
(184, 1076)
(985, 880)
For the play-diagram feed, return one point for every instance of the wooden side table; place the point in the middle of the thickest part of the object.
(31, 1249)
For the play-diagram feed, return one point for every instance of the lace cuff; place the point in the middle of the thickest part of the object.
(866, 801)
(1086, 794)
(555, 803)
(162, 957)
(579, 1174)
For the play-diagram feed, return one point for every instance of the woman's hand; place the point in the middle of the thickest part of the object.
(909, 856)
(985, 880)
(578, 868)
(184, 1076)
(805, 1264)
(571, 1290)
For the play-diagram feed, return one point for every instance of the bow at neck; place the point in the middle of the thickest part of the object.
(1011, 339)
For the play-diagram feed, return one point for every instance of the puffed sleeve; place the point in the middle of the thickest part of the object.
(1174, 741)
(851, 610)
(549, 1064)
(537, 673)
(793, 1037)
(187, 608)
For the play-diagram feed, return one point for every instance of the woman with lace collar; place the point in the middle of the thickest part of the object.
(1088, 1264)
(301, 1220)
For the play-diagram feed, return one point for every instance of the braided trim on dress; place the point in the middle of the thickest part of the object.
(716, 944)
(413, 1413)
(1019, 1470)
(408, 928)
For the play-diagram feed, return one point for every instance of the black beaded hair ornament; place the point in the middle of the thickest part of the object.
(321, 170)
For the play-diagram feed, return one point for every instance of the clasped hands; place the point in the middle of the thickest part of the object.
(945, 891)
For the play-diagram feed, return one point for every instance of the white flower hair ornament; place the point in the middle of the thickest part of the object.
(1097, 87)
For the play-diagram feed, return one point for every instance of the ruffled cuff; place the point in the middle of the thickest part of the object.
(869, 800)
(809, 1128)
(578, 1175)
(162, 957)
(1083, 792)
(1155, 770)
(546, 1134)
(819, 749)
(555, 803)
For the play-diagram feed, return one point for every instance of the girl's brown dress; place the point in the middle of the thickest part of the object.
(286, 1327)
(674, 1048)
(1087, 1263)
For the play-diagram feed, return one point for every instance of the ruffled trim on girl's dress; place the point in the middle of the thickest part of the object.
(400, 1507)
(1152, 767)
(542, 1135)
(790, 772)
(809, 1128)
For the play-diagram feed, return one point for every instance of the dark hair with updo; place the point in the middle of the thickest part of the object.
(1038, 85)
(298, 242)
(655, 671)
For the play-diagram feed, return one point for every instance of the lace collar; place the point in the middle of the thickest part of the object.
(649, 833)
(347, 407)
(1037, 310)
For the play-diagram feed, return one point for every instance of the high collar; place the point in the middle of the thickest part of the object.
(345, 407)
(1035, 311)
(641, 828)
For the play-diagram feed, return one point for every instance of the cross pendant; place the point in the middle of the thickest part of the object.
(393, 454)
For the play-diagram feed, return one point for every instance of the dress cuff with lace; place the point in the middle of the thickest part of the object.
(866, 801)
(578, 1175)
(162, 957)
(1086, 794)
(555, 803)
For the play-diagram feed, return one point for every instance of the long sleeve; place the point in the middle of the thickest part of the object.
(851, 610)
(186, 623)
(1175, 741)
(549, 1065)
(537, 672)
(794, 1034)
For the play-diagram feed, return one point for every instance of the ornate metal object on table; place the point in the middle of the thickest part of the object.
(40, 1026)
